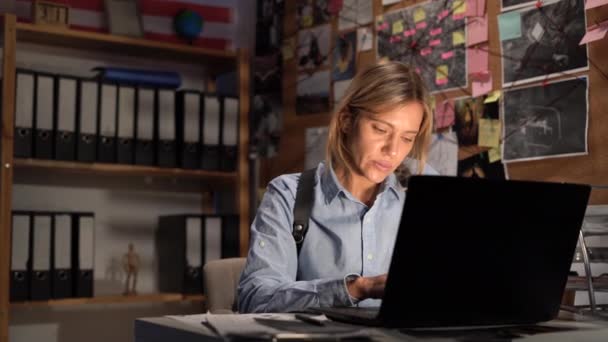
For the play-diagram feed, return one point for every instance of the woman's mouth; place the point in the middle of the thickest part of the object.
(384, 166)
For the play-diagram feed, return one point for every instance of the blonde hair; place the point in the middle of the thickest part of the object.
(380, 87)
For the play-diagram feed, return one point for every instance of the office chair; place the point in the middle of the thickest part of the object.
(220, 280)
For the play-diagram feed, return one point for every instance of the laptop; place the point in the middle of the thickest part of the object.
(478, 252)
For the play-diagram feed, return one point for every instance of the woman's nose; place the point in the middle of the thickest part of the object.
(392, 146)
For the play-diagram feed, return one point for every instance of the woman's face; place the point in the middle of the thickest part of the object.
(380, 142)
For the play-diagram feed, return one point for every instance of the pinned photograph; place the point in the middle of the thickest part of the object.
(507, 5)
(431, 37)
(313, 93)
(546, 121)
(345, 53)
(481, 166)
(468, 111)
(539, 44)
(313, 47)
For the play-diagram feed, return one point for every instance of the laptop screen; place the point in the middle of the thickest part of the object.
(478, 251)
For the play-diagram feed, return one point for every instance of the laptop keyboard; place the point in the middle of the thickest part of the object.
(364, 313)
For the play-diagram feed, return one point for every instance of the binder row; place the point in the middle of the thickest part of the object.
(69, 118)
(184, 244)
(52, 255)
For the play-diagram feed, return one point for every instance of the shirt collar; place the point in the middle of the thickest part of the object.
(331, 187)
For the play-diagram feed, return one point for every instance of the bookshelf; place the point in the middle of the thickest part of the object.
(215, 62)
(143, 298)
(218, 178)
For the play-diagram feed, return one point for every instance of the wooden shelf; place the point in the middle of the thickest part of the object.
(124, 170)
(118, 299)
(216, 60)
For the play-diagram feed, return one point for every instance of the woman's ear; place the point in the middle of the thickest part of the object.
(346, 122)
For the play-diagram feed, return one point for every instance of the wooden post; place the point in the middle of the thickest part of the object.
(6, 173)
(242, 190)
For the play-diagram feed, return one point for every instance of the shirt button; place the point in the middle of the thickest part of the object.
(262, 244)
(370, 256)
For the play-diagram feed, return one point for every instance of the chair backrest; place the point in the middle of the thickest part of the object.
(220, 280)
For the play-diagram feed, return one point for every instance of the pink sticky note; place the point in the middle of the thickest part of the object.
(443, 14)
(477, 31)
(481, 76)
(482, 87)
(447, 55)
(435, 42)
(441, 81)
(477, 57)
(335, 6)
(409, 33)
(426, 51)
(595, 32)
(444, 114)
(595, 3)
(421, 25)
(435, 32)
(459, 16)
(471, 8)
(475, 8)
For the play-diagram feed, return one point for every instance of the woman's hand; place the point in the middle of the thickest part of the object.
(367, 287)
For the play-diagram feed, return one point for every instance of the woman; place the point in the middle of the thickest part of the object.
(383, 118)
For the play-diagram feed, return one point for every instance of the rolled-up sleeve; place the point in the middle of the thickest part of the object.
(268, 282)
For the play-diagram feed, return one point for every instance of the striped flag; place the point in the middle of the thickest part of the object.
(219, 19)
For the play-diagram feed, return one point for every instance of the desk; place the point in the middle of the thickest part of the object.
(164, 329)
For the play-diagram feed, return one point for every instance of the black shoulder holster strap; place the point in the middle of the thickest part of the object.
(303, 206)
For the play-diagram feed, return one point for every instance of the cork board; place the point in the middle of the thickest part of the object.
(591, 168)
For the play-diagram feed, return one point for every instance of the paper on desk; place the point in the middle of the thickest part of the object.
(278, 324)
(245, 323)
(190, 320)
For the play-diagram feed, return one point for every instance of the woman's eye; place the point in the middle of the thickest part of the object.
(378, 129)
(407, 140)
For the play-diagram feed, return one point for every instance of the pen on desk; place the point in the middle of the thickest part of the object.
(309, 319)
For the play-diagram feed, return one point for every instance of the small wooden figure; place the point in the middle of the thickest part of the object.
(131, 265)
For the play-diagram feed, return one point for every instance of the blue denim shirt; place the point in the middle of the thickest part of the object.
(344, 237)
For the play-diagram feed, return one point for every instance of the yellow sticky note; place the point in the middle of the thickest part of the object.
(398, 27)
(493, 96)
(442, 72)
(489, 133)
(458, 38)
(494, 154)
(459, 6)
(307, 21)
(287, 49)
(419, 14)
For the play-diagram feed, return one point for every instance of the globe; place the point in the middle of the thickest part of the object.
(188, 24)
